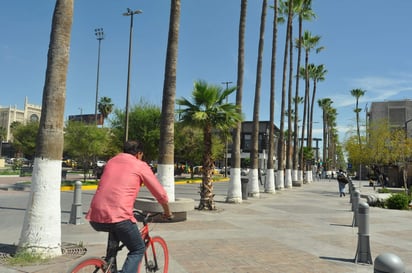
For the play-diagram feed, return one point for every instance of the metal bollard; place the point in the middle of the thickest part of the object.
(355, 205)
(363, 252)
(76, 214)
(352, 192)
(388, 263)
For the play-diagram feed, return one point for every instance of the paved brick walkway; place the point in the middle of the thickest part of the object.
(303, 229)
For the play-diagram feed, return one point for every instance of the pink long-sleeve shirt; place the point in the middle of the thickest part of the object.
(118, 189)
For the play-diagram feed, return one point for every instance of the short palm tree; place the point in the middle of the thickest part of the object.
(208, 111)
(105, 107)
(357, 93)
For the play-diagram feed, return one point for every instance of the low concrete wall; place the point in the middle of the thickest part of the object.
(179, 207)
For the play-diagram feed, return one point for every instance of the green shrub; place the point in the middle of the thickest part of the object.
(397, 201)
(384, 190)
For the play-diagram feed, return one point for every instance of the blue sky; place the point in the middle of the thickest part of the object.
(367, 45)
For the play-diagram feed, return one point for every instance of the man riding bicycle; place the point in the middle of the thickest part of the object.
(111, 209)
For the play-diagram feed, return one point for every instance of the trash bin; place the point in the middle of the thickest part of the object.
(244, 181)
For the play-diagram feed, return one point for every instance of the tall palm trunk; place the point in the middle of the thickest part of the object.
(166, 149)
(281, 144)
(305, 111)
(206, 190)
(253, 186)
(41, 232)
(234, 194)
(296, 180)
(270, 175)
(288, 174)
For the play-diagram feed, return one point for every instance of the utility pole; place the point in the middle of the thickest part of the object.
(226, 144)
(99, 36)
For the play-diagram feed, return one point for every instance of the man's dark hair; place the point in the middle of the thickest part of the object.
(132, 147)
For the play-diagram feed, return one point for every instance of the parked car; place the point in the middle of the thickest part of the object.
(100, 163)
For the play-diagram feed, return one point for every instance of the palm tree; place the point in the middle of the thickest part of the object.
(166, 150)
(357, 93)
(304, 11)
(208, 111)
(308, 43)
(41, 231)
(270, 174)
(234, 193)
(325, 104)
(253, 184)
(281, 147)
(317, 74)
(105, 107)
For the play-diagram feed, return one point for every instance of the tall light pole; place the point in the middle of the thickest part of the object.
(227, 87)
(99, 36)
(130, 13)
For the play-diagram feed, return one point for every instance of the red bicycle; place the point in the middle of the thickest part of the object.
(155, 259)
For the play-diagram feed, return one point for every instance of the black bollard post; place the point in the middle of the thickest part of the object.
(388, 263)
(77, 211)
(363, 252)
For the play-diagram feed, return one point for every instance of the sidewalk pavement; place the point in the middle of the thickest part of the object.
(301, 229)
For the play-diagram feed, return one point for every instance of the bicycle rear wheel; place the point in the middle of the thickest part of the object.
(90, 265)
(156, 257)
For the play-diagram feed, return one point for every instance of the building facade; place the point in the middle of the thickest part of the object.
(10, 114)
(399, 115)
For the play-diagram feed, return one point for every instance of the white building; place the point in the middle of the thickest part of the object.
(10, 114)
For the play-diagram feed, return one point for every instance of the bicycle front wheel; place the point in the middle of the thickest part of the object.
(156, 257)
(90, 265)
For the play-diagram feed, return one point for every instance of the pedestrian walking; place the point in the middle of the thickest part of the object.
(342, 181)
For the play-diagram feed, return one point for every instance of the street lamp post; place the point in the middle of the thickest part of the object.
(226, 145)
(99, 36)
(130, 13)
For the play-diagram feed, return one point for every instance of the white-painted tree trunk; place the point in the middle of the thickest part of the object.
(41, 232)
(295, 179)
(166, 176)
(308, 176)
(253, 184)
(234, 193)
(300, 176)
(288, 178)
(280, 180)
(270, 181)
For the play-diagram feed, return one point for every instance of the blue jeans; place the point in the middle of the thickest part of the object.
(341, 188)
(128, 233)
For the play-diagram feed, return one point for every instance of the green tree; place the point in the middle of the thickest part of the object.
(105, 107)
(24, 138)
(187, 148)
(86, 143)
(144, 121)
(41, 231)
(208, 111)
